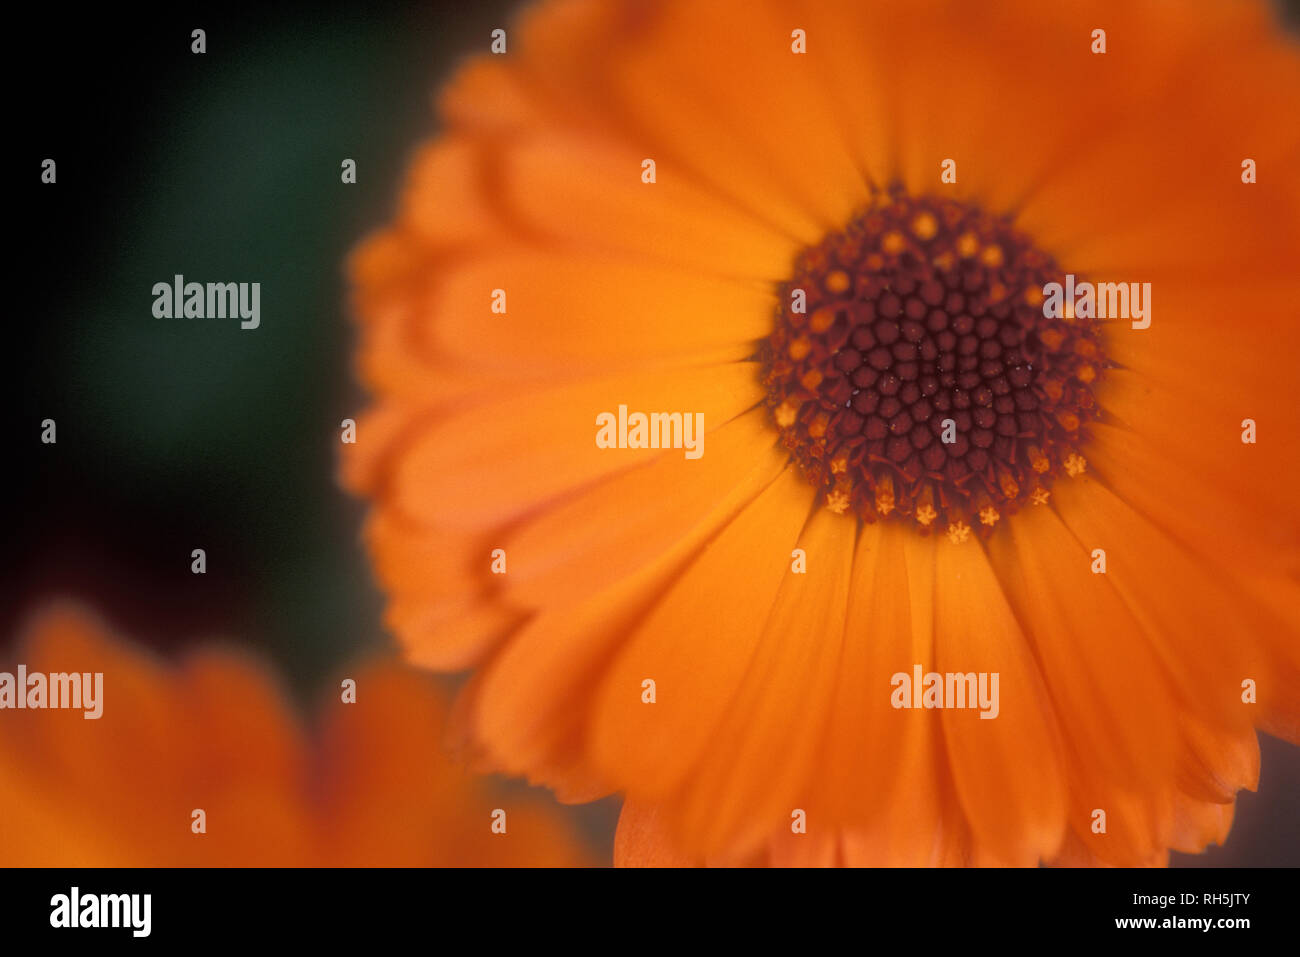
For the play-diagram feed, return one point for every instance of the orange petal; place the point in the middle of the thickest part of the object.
(737, 795)
(1007, 771)
(595, 313)
(642, 840)
(696, 645)
(578, 547)
(588, 192)
(497, 461)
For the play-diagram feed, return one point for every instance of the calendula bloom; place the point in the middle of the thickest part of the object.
(987, 549)
(367, 785)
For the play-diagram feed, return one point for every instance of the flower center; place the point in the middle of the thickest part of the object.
(912, 373)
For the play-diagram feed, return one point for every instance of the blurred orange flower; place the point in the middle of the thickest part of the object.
(366, 787)
(624, 209)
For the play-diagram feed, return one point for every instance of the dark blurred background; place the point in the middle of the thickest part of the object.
(175, 435)
(178, 435)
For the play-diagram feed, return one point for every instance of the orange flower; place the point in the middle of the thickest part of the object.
(367, 788)
(926, 464)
